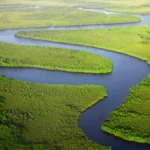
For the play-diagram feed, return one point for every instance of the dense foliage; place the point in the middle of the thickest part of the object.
(133, 41)
(53, 59)
(42, 116)
(131, 121)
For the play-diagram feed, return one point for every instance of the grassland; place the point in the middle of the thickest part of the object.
(58, 16)
(20, 3)
(133, 41)
(53, 59)
(44, 117)
(131, 6)
(131, 121)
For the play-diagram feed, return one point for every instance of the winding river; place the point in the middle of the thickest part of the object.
(127, 72)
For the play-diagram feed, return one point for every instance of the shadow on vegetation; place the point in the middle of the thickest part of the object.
(1, 99)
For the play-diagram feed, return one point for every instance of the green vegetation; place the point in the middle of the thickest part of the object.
(131, 6)
(45, 117)
(131, 121)
(145, 35)
(58, 16)
(21, 3)
(133, 41)
(53, 59)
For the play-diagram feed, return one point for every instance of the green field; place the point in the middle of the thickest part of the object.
(20, 3)
(133, 41)
(58, 16)
(45, 117)
(131, 121)
(130, 6)
(53, 59)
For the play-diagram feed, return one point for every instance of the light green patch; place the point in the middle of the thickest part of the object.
(58, 16)
(53, 59)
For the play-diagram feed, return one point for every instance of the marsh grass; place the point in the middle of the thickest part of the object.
(58, 16)
(53, 59)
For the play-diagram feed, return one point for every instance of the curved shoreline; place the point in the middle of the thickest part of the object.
(123, 76)
(125, 138)
(107, 11)
(60, 69)
(74, 26)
